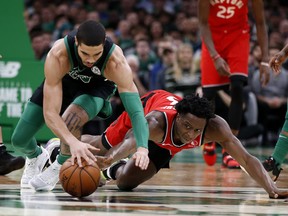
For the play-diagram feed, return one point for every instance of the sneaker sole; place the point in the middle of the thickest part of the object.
(44, 188)
(25, 186)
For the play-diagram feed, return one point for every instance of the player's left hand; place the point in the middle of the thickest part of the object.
(141, 158)
(279, 194)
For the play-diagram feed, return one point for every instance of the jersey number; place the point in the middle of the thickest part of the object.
(226, 12)
(172, 99)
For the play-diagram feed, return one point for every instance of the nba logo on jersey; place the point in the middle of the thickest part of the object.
(96, 70)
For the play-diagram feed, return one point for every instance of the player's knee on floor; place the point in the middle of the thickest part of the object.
(125, 186)
(126, 180)
(130, 179)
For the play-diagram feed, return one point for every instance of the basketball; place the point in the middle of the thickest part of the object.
(79, 181)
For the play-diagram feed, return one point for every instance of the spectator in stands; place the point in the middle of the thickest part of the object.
(47, 18)
(190, 29)
(40, 51)
(156, 33)
(125, 38)
(134, 64)
(146, 58)
(160, 64)
(181, 78)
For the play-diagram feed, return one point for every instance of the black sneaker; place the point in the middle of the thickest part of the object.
(271, 165)
(8, 162)
(110, 172)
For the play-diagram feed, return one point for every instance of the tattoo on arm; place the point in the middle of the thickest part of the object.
(65, 149)
(74, 124)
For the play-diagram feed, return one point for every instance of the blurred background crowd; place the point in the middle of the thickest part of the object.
(161, 41)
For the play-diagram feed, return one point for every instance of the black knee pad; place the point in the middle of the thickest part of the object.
(209, 93)
(236, 106)
(237, 86)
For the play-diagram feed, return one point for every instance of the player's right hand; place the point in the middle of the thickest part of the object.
(82, 150)
(222, 67)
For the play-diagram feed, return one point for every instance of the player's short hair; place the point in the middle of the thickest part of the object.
(195, 105)
(91, 33)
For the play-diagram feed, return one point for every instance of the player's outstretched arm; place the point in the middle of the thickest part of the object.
(119, 72)
(250, 163)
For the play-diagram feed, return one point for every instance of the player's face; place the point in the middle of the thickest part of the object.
(89, 54)
(188, 127)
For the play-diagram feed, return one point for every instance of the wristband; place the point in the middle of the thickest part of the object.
(265, 64)
(215, 57)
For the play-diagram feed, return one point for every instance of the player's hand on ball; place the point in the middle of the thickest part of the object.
(82, 150)
(79, 181)
(141, 158)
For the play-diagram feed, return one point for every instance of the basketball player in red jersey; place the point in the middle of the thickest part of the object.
(175, 124)
(159, 109)
(224, 64)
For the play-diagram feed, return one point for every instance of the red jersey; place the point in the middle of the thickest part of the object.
(157, 100)
(228, 22)
(228, 15)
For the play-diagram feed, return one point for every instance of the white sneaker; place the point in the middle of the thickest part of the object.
(33, 167)
(53, 148)
(48, 179)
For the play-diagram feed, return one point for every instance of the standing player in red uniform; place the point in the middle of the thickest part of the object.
(175, 124)
(224, 64)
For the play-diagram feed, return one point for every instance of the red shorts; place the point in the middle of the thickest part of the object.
(233, 47)
(116, 132)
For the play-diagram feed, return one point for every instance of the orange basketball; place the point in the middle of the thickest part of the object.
(79, 181)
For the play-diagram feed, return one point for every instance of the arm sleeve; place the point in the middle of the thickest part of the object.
(133, 107)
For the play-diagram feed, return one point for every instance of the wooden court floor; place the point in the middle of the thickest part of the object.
(189, 187)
